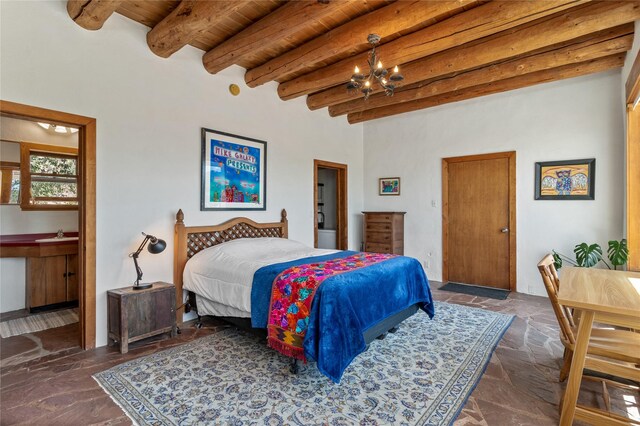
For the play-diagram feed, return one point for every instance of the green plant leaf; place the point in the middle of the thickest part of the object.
(557, 260)
(588, 255)
(618, 252)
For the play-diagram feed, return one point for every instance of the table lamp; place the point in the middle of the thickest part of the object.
(156, 245)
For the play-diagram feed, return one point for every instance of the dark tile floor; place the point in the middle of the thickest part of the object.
(520, 386)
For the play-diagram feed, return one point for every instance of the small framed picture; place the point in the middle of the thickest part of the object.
(389, 186)
(566, 180)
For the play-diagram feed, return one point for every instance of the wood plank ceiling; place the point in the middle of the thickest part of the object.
(447, 51)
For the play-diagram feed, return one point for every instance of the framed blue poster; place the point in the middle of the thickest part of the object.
(233, 172)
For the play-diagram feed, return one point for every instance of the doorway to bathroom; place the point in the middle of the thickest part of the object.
(59, 263)
(330, 205)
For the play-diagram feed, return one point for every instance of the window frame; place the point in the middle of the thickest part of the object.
(26, 151)
(7, 168)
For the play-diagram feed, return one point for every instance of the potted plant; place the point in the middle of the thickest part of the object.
(588, 255)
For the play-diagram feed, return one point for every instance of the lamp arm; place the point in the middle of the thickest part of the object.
(144, 242)
(138, 269)
(135, 255)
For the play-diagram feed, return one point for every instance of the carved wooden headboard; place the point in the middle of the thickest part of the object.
(189, 240)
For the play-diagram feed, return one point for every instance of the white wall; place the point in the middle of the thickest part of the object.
(149, 114)
(13, 220)
(571, 119)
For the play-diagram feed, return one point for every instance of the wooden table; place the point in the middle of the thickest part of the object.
(611, 297)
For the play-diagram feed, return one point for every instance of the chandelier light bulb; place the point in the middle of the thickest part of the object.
(379, 65)
(367, 84)
(356, 70)
(395, 69)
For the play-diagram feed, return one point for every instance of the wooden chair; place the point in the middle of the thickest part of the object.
(623, 346)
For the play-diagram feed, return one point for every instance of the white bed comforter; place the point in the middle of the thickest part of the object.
(224, 273)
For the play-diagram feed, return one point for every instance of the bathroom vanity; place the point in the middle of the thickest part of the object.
(51, 267)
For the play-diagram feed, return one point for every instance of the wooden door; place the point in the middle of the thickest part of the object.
(479, 220)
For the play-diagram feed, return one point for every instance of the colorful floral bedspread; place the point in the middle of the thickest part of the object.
(292, 296)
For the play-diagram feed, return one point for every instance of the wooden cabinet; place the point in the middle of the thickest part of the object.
(72, 277)
(138, 314)
(384, 232)
(51, 280)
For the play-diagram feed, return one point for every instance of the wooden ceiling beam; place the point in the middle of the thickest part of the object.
(351, 37)
(92, 14)
(273, 28)
(545, 76)
(606, 43)
(546, 32)
(478, 22)
(186, 22)
(632, 86)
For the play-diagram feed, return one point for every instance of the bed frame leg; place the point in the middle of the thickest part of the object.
(394, 329)
(294, 367)
(199, 322)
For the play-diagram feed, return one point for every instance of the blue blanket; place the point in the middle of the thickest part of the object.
(346, 305)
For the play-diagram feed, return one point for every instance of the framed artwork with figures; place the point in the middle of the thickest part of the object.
(233, 172)
(565, 180)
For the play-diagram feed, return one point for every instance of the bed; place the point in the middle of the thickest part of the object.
(233, 271)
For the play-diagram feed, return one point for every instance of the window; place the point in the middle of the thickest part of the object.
(49, 177)
(9, 182)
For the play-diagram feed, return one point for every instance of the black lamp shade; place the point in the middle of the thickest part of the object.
(156, 247)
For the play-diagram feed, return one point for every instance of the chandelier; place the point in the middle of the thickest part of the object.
(364, 82)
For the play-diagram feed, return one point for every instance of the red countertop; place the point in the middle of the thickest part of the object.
(21, 240)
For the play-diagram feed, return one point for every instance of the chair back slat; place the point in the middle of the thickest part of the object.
(552, 284)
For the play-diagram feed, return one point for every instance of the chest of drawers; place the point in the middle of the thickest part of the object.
(384, 232)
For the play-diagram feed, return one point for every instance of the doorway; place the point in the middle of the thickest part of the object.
(330, 205)
(86, 194)
(479, 220)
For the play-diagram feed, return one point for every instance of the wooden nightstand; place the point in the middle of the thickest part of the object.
(138, 314)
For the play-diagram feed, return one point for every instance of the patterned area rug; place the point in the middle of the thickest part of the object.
(33, 323)
(421, 375)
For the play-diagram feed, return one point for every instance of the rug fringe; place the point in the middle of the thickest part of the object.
(286, 350)
(135, 423)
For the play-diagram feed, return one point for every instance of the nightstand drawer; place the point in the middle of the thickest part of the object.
(154, 312)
